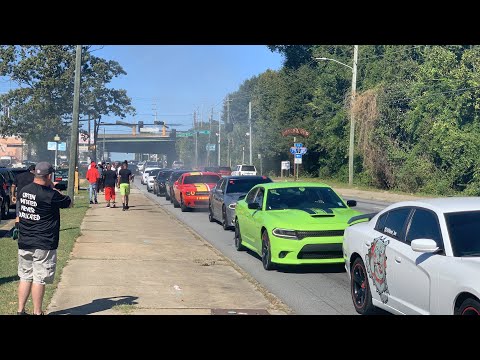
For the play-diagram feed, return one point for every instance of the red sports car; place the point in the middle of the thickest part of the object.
(192, 189)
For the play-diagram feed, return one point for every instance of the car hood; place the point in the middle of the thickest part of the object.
(232, 197)
(310, 219)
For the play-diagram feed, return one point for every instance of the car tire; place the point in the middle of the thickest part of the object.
(360, 288)
(175, 203)
(225, 225)
(470, 306)
(6, 209)
(267, 253)
(172, 198)
(183, 207)
(210, 213)
(167, 195)
(238, 237)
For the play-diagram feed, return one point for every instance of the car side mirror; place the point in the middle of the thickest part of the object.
(351, 203)
(254, 206)
(424, 245)
(241, 197)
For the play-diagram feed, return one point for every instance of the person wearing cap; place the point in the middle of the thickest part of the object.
(109, 180)
(21, 180)
(39, 233)
(92, 177)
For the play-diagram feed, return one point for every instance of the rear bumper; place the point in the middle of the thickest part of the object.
(195, 201)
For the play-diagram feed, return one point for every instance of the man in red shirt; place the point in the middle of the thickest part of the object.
(92, 176)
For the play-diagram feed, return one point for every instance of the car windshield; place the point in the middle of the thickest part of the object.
(244, 185)
(62, 173)
(163, 174)
(194, 179)
(463, 228)
(153, 172)
(303, 198)
(248, 168)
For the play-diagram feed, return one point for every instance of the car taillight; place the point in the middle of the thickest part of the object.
(58, 179)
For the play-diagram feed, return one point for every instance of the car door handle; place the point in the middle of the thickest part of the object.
(398, 259)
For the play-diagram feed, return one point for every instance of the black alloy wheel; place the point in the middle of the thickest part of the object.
(266, 252)
(224, 219)
(360, 289)
(211, 218)
(470, 306)
(238, 237)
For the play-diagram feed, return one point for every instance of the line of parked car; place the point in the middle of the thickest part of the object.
(430, 249)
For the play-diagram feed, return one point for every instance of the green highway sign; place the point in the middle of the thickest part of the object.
(184, 134)
(206, 132)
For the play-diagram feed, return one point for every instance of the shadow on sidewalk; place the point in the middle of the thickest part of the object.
(97, 305)
(8, 279)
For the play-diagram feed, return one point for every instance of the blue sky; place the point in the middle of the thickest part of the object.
(181, 79)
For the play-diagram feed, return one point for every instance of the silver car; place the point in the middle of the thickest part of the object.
(223, 197)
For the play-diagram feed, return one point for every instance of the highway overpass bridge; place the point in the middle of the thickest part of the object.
(143, 143)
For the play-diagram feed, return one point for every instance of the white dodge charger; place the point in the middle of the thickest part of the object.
(416, 257)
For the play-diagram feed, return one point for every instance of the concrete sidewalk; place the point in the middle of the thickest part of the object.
(145, 261)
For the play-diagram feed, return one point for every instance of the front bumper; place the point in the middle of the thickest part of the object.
(319, 250)
(196, 201)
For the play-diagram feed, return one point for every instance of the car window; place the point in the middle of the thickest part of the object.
(194, 179)
(381, 222)
(222, 186)
(395, 223)
(424, 225)
(251, 195)
(463, 228)
(248, 168)
(259, 197)
(244, 185)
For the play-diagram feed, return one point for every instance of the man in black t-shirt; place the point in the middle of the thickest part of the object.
(39, 226)
(21, 180)
(109, 181)
(124, 179)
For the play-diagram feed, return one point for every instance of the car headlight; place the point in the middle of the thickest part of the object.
(232, 206)
(190, 193)
(285, 233)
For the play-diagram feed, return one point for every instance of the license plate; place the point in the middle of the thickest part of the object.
(202, 197)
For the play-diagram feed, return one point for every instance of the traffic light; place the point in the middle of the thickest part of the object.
(173, 133)
(140, 125)
(157, 122)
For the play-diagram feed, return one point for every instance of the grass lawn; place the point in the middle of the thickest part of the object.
(69, 231)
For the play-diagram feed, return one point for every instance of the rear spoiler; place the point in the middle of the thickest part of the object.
(361, 217)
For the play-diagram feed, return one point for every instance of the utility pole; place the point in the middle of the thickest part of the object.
(219, 139)
(103, 156)
(352, 117)
(229, 161)
(250, 130)
(196, 141)
(74, 136)
(209, 138)
(89, 139)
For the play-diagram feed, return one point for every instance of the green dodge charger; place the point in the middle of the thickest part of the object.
(293, 223)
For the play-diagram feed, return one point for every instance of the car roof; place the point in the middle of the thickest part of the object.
(446, 205)
(287, 184)
(200, 173)
(247, 177)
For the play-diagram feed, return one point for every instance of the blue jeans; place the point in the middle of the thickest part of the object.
(93, 191)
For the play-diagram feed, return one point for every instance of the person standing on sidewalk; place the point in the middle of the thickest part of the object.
(39, 214)
(109, 181)
(124, 179)
(21, 180)
(92, 177)
(101, 170)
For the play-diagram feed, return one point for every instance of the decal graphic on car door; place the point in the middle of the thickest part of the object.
(376, 264)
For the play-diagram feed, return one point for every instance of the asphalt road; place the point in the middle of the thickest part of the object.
(316, 290)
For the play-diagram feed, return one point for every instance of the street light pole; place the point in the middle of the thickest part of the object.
(74, 135)
(250, 129)
(352, 117)
(56, 139)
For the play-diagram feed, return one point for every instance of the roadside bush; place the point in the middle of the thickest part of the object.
(414, 173)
